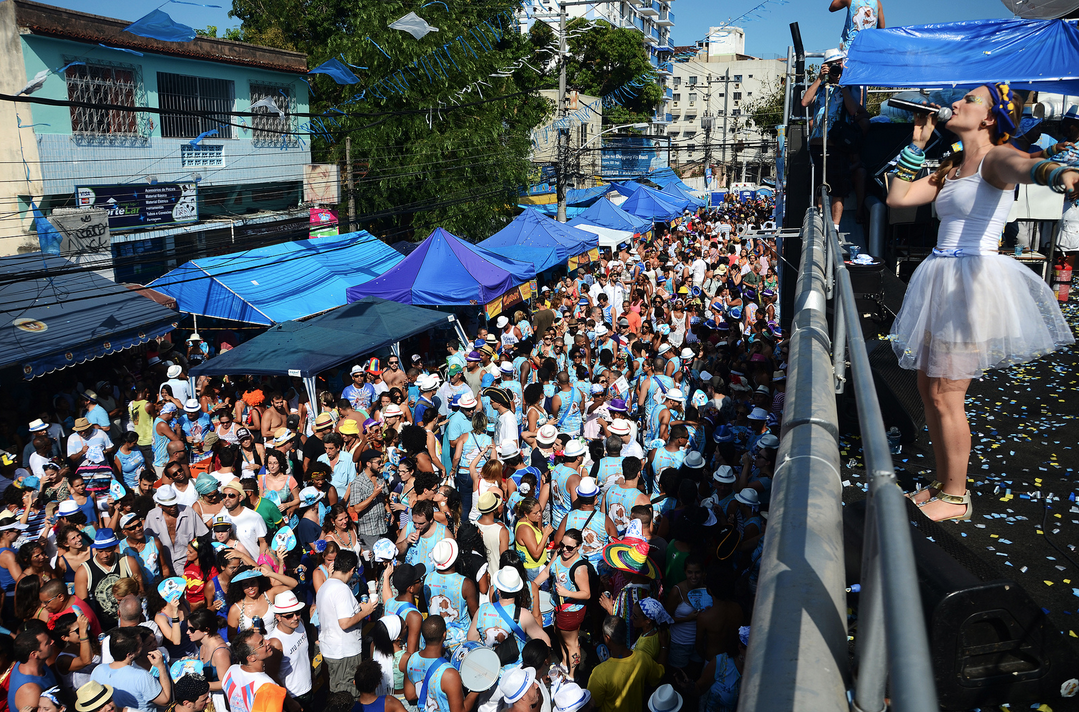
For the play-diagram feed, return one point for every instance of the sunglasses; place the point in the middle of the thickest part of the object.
(231, 495)
(293, 614)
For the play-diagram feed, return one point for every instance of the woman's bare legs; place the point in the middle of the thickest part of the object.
(946, 416)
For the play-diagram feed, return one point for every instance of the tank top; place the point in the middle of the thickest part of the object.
(416, 669)
(723, 694)
(861, 15)
(618, 502)
(684, 633)
(491, 533)
(399, 608)
(7, 581)
(99, 587)
(664, 459)
(75, 679)
(609, 467)
(594, 535)
(295, 661)
(482, 488)
(561, 573)
(972, 214)
(161, 455)
(269, 620)
(418, 552)
(445, 597)
(678, 329)
(379, 705)
(568, 418)
(493, 628)
(562, 501)
(17, 679)
(150, 557)
(529, 562)
(141, 422)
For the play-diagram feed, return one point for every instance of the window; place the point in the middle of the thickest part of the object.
(202, 156)
(749, 93)
(721, 95)
(677, 98)
(102, 84)
(736, 95)
(690, 148)
(692, 98)
(691, 117)
(194, 95)
(750, 76)
(736, 78)
(267, 125)
(678, 81)
(736, 112)
(693, 80)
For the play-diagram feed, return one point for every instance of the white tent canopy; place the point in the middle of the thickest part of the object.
(608, 237)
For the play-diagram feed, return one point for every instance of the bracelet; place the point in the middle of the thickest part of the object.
(84, 639)
(1038, 174)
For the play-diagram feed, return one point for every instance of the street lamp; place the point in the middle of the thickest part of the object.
(564, 159)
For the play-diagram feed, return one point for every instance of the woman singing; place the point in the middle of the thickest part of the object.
(969, 308)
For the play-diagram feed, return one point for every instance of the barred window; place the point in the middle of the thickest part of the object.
(267, 125)
(212, 98)
(102, 84)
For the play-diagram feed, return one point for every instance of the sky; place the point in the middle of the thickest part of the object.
(766, 37)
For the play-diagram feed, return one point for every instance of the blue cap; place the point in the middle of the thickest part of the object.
(487, 380)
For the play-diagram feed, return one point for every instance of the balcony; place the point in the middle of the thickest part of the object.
(670, 93)
(661, 119)
(639, 2)
(666, 19)
(649, 9)
(664, 68)
(664, 47)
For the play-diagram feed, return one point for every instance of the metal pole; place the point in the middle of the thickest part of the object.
(871, 659)
(563, 133)
(726, 99)
(351, 184)
(789, 87)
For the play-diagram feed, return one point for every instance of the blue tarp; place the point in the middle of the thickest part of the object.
(446, 270)
(665, 177)
(644, 203)
(533, 229)
(274, 284)
(1030, 54)
(606, 214)
(626, 187)
(583, 197)
(306, 348)
(71, 317)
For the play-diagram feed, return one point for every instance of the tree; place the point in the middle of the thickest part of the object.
(603, 58)
(427, 162)
(767, 110)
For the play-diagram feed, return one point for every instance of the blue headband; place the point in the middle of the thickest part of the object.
(1003, 104)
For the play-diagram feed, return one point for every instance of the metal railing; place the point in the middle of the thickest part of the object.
(798, 655)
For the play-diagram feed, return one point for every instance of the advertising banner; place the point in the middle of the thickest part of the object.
(139, 206)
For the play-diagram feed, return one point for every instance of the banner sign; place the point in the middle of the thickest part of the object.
(631, 156)
(582, 259)
(511, 298)
(135, 206)
(331, 231)
(323, 217)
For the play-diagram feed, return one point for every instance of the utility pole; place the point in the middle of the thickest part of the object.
(563, 133)
(351, 184)
(726, 99)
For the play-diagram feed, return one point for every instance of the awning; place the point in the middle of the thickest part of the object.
(305, 348)
(70, 317)
(607, 236)
(278, 283)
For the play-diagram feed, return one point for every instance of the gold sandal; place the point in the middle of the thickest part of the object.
(934, 485)
(963, 499)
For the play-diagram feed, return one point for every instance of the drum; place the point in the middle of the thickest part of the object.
(478, 665)
(546, 606)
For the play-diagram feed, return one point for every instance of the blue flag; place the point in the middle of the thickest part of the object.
(159, 26)
(336, 71)
(48, 237)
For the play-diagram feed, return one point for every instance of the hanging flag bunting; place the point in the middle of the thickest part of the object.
(159, 26)
(119, 49)
(414, 25)
(268, 103)
(205, 134)
(336, 71)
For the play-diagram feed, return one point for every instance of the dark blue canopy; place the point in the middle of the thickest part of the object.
(70, 317)
(1029, 54)
(306, 348)
(606, 214)
(533, 229)
(646, 203)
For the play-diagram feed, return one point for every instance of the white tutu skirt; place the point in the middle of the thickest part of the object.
(964, 315)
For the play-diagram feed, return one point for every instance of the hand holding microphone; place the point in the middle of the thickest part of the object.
(940, 113)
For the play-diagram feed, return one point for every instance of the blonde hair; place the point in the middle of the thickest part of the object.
(492, 471)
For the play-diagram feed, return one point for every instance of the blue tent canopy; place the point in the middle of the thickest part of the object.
(306, 348)
(1029, 54)
(446, 270)
(70, 317)
(583, 197)
(627, 187)
(665, 177)
(606, 214)
(273, 284)
(679, 193)
(533, 229)
(551, 209)
(645, 203)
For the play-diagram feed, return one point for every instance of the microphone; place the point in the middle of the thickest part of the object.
(943, 113)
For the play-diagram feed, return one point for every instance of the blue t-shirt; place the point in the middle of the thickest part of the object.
(100, 417)
(134, 688)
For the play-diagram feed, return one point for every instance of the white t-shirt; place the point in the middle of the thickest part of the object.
(507, 428)
(249, 526)
(189, 496)
(333, 602)
(37, 464)
(296, 660)
(98, 443)
(697, 270)
(240, 687)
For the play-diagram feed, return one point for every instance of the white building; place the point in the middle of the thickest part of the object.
(707, 111)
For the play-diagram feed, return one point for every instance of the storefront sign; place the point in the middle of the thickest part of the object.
(137, 206)
(510, 299)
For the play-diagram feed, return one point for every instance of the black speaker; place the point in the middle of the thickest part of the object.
(989, 641)
(798, 194)
(897, 391)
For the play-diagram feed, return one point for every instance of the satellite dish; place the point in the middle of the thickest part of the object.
(1041, 9)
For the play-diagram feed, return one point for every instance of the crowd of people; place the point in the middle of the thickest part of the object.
(565, 514)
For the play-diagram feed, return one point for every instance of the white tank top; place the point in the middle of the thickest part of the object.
(296, 660)
(972, 214)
